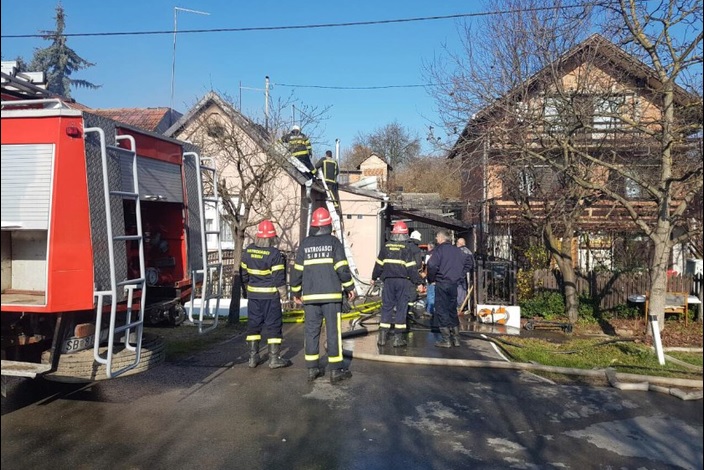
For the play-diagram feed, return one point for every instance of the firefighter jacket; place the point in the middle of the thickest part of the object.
(395, 260)
(448, 264)
(298, 145)
(321, 271)
(330, 169)
(262, 271)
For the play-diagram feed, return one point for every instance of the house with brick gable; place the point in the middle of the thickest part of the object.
(594, 100)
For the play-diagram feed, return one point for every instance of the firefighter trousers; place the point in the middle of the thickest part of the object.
(314, 316)
(394, 302)
(264, 317)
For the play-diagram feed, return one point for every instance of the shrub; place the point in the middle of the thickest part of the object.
(545, 304)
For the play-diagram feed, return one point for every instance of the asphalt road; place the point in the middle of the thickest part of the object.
(212, 412)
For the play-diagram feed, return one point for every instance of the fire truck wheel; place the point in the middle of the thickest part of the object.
(81, 367)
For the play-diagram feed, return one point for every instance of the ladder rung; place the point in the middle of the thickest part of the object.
(212, 232)
(127, 237)
(211, 296)
(124, 194)
(207, 168)
(210, 199)
(135, 281)
(214, 265)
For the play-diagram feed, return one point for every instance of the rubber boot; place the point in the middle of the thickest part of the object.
(383, 334)
(455, 336)
(338, 375)
(314, 373)
(445, 341)
(253, 354)
(276, 361)
(399, 340)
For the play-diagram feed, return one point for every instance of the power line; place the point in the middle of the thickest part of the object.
(381, 87)
(310, 26)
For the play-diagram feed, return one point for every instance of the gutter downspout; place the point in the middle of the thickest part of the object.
(380, 224)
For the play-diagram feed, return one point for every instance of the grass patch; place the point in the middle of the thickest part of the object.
(185, 340)
(591, 353)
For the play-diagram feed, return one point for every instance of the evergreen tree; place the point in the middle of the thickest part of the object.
(58, 61)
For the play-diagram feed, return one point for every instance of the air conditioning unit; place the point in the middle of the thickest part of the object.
(694, 267)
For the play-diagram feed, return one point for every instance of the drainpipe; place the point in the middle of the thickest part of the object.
(380, 224)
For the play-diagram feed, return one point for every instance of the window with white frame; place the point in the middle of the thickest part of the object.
(551, 114)
(607, 113)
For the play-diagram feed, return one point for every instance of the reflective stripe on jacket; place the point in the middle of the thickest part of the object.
(321, 272)
(330, 169)
(298, 145)
(395, 260)
(262, 271)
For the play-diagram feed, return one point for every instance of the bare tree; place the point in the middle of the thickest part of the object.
(393, 142)
(250, 162)
(430, 175)
(500, 58)
(610, 131)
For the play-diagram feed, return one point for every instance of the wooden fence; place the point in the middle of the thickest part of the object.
(613, 289)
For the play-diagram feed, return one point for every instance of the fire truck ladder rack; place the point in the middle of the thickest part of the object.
(339, 230)
(132, 286)
(211, 287)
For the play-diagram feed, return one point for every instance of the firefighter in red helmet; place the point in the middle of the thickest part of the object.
(263, 271)
(321, 276)
(397, 268)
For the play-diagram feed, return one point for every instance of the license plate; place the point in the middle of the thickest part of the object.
(77, 344)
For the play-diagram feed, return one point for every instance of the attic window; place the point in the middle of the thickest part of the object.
(216, 130)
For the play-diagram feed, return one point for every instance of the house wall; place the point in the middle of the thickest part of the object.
(361, 223)
(375, 166)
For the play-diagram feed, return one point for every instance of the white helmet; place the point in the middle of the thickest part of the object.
(415, 235)
(295, 128)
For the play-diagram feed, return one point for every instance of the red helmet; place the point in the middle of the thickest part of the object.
(400, 228)
(266, 229)
(321, 217)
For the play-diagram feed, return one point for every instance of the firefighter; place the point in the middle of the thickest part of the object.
(299, 147)
(329, 173)
(320, 278)
(263, 271)
(396, 267)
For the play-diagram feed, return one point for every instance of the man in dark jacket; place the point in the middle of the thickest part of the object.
(446, 267)
(263, 271)
(321, 274)
(397, 268)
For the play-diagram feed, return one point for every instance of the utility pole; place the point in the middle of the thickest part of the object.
(173, 62)
(266, 103)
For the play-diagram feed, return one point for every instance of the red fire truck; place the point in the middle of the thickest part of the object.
(103, 228)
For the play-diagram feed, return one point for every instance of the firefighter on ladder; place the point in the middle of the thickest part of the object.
(320, 278)
(263, 272)
(329, 171)
(300, 148)
(396, 267)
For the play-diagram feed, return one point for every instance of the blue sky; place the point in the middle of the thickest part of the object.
(135, 71)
